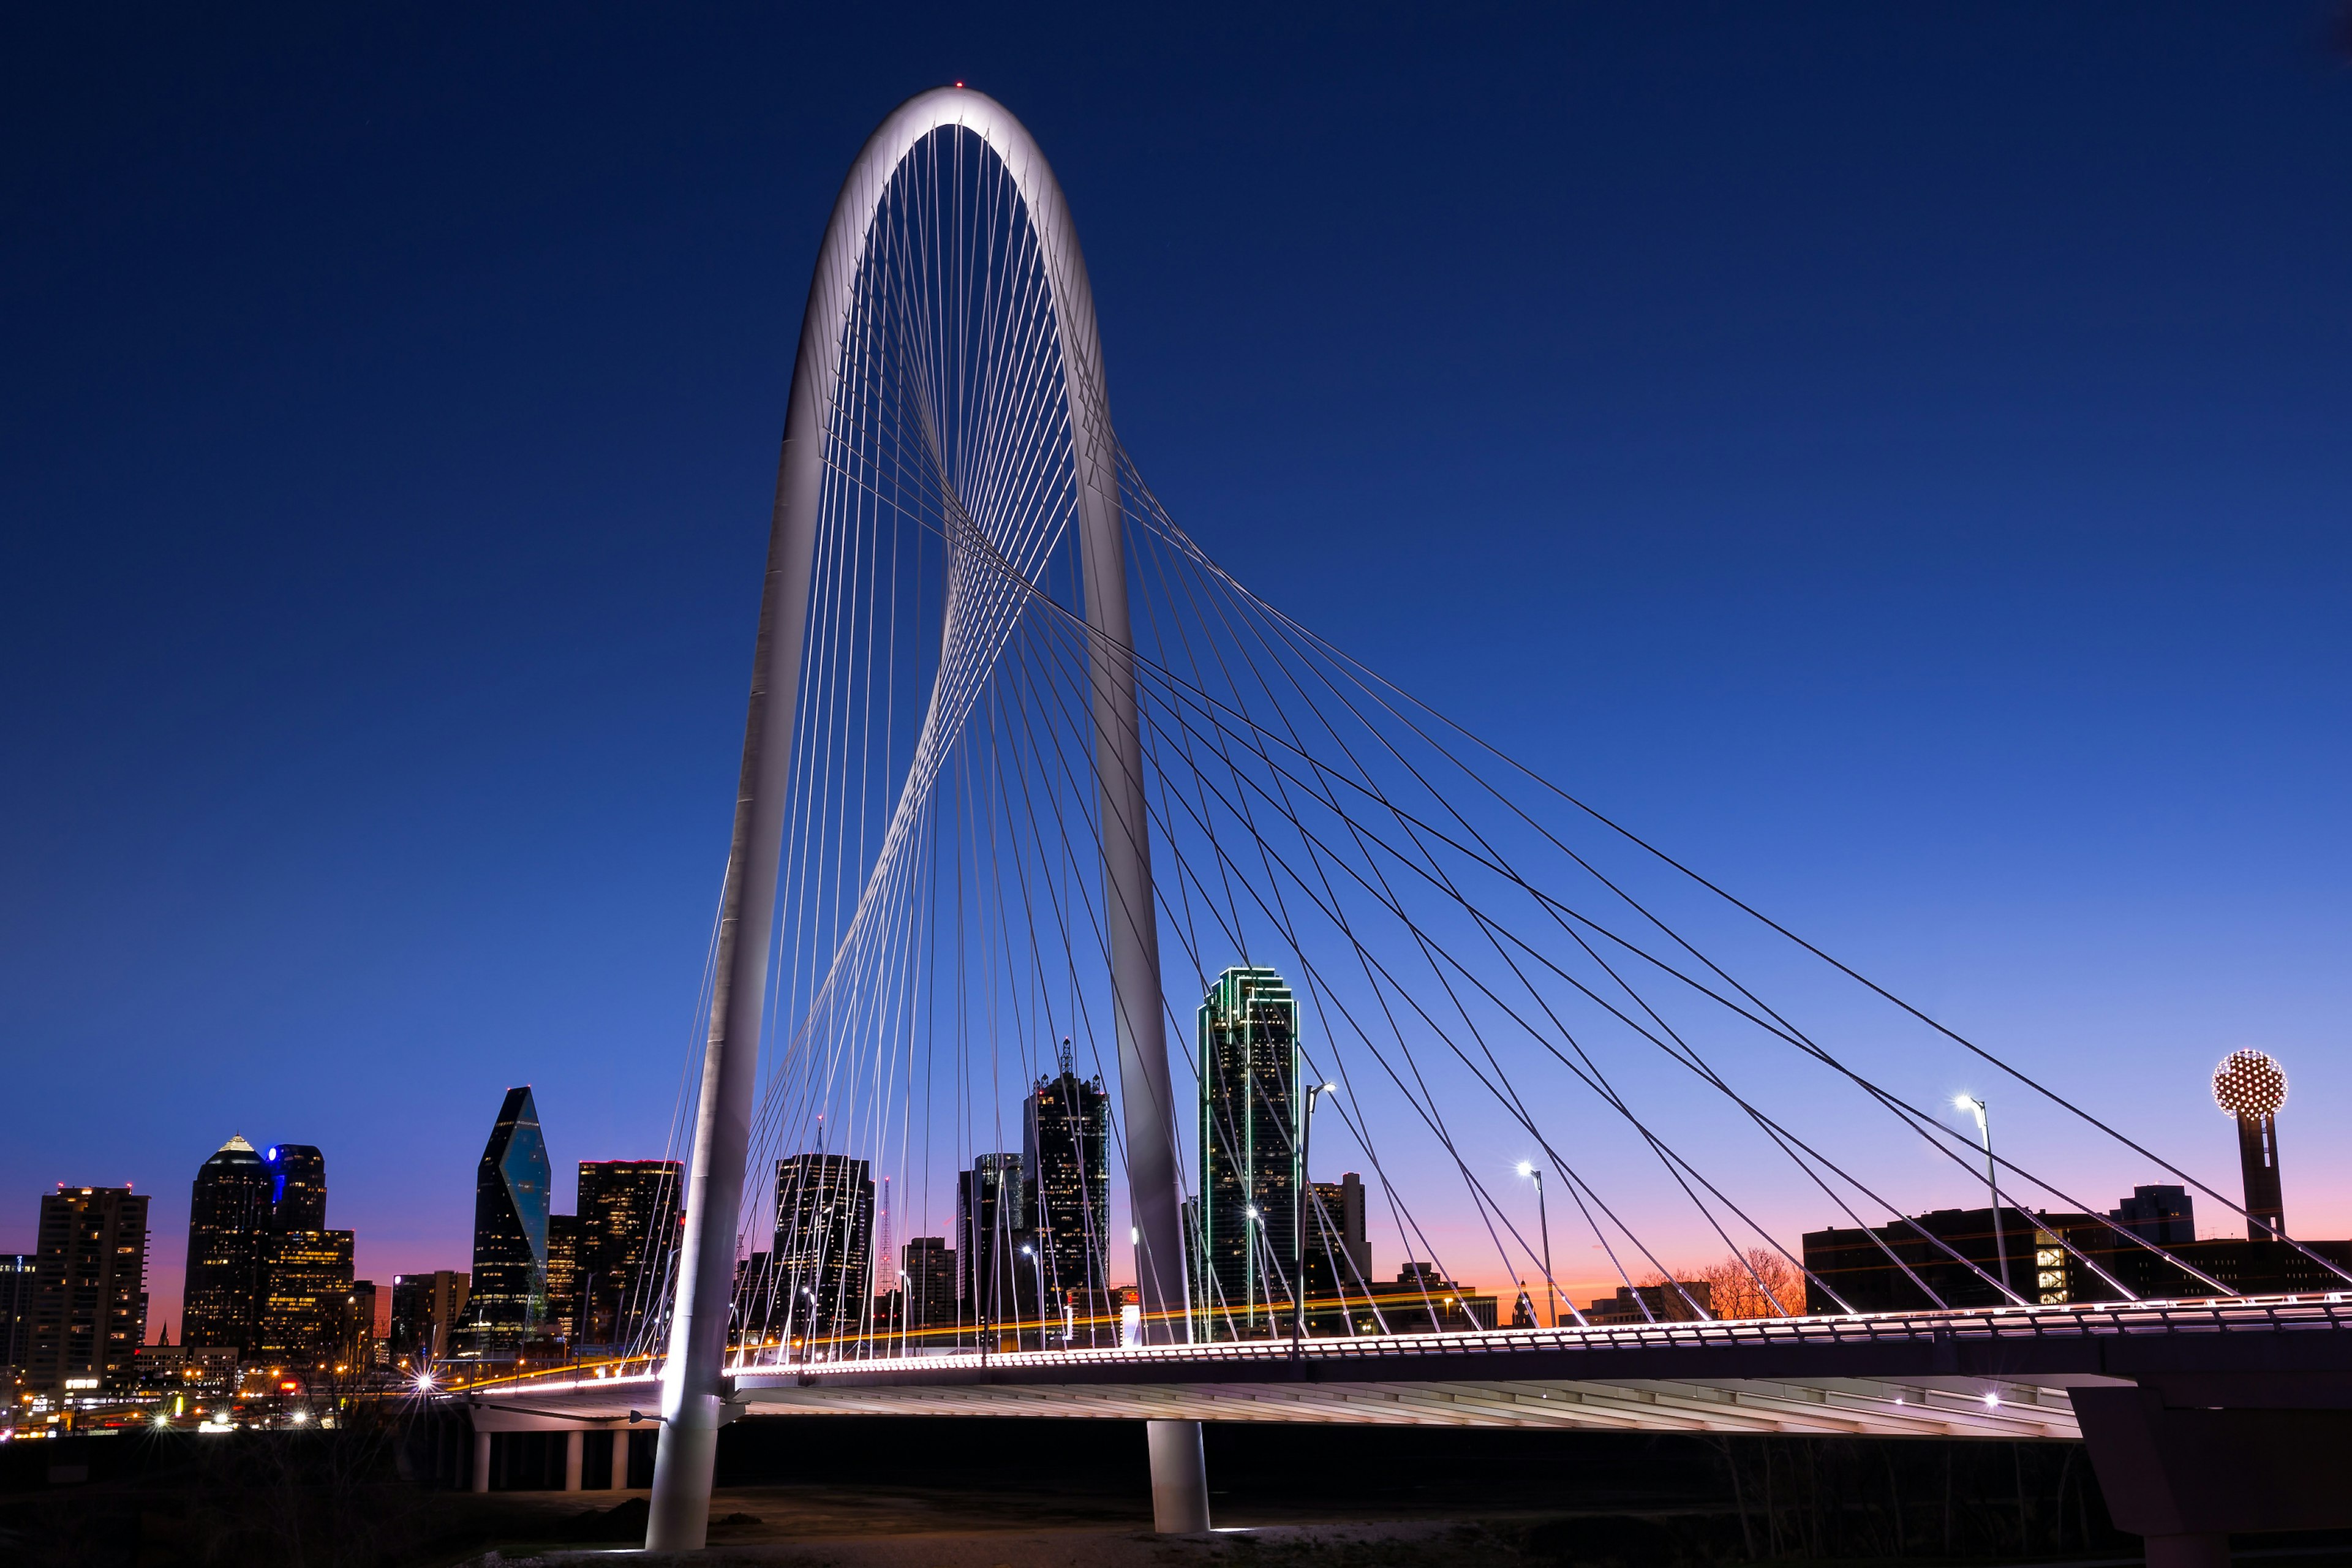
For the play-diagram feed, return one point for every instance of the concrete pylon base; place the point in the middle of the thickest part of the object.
(2206, 1550)
(1180, 1478)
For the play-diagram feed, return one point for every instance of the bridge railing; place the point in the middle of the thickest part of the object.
(2264, 1314)
(2254, 1314)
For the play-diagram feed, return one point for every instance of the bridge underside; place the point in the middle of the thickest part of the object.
(1845, 1407)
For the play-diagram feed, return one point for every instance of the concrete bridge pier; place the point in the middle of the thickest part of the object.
(2188, 1461)
(1180, 1478)
(488, 1422)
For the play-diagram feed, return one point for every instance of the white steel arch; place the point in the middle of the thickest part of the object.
(692, 1398)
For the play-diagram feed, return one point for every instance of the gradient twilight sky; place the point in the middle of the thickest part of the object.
(1899, 458)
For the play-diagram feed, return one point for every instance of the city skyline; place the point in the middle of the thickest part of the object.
(2034, 657)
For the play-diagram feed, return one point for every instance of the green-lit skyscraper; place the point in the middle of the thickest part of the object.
(1248, 1139)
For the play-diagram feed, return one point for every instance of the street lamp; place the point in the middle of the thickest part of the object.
(905, 1292)
(1977, 1108)
(1543, 1222)
(1037, 1259)
(1298, 1232)
(1252, 1233)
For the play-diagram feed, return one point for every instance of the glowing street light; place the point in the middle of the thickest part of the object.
(1977, 1108)
(1299, 1231)
(1543, 1220)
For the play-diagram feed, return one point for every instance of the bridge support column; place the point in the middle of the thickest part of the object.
(2188, 1552)
(1180, 1478)
(2186, 1462)
(573, 1442)
(481, 1461)
(620, 1458)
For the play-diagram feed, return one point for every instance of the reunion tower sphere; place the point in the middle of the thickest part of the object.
(2249, 1085)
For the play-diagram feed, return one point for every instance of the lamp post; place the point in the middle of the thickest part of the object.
(906, 1304)
(1299, 1231)
(1250, 1239)
(1543, 1223)
(1038, 1259)
(1977, 1108)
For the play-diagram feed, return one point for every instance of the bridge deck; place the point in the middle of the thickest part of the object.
(2000, 1373)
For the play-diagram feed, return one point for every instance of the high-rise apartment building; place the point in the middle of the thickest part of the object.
(1248, 1139)
(90, 1291)
(991, 1226)
(511, 1193)
(562, 1317)
(824, 1249)
(425, 1308)
(17, 1271)
(230, 1210)
(630, 1228)
(1065, 1161)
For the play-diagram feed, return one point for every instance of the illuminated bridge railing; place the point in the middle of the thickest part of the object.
(2254, 1315)
(2261, 1315)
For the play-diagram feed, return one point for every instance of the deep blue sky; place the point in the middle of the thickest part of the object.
(1899, 458)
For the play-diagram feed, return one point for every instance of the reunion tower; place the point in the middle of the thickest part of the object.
(2252, 1087)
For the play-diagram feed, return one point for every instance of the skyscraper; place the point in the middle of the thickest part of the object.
(306, 1302)
(1065, 1161)
(562, 1317)
(510, 1190)
(424, 1309)
(1339, 1247)
(992, 1212)
(929, 1266)
(306, 1268)
(229, 1222)
(1248, 1041)
(90, 1290)
(824, 1249)
(298, 1187)
(16, 1273)
(629, 1235)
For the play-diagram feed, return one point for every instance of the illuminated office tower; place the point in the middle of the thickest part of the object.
(307, 1287)
(229, 1215)
(510, 1191)
(1247, 1133)
(1065, 1162)
(298, 1187)
(822, 1257)
(2251, 1088)
(90, 1292)
(630, 1219)
(561, 1317)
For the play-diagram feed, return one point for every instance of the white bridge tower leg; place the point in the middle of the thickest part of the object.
(694, 1391)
